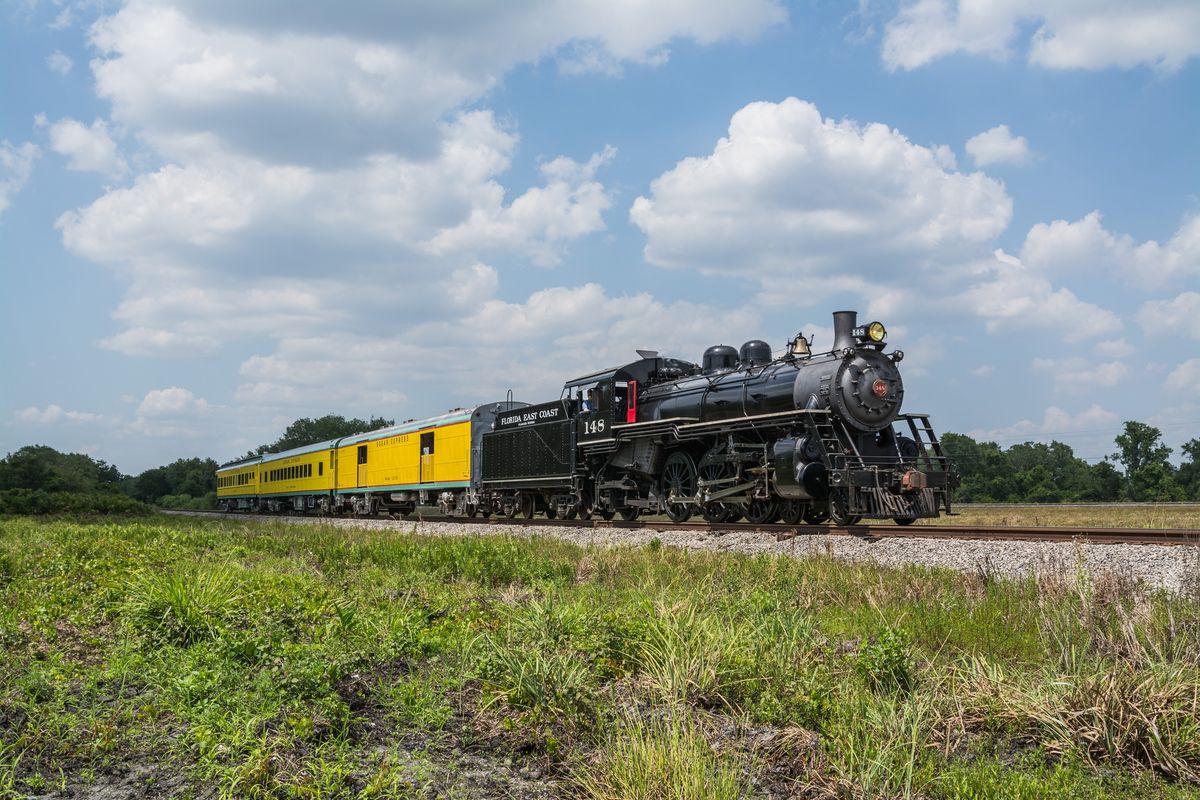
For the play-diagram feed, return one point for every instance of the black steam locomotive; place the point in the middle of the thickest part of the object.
(745, 434)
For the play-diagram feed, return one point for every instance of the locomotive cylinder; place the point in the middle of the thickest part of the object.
(799, 472)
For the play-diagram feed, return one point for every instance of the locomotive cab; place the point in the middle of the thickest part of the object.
(601, 401)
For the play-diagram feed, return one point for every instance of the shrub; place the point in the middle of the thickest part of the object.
(186, 502)
(37, 502)
(884, 662)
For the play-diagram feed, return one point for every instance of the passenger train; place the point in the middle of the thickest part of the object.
(800, 436)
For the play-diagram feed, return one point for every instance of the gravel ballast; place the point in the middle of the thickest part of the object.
(1170, 567)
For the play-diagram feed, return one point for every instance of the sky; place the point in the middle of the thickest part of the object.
(217, 217)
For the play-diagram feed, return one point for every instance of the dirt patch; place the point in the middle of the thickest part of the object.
(133, 782)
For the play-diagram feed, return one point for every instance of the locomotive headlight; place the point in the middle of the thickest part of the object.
(876, 332)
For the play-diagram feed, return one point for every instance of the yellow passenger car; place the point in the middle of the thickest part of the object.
(237, 485)
(296, 478)
(418, 462)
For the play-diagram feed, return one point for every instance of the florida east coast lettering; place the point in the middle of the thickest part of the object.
(531, 416)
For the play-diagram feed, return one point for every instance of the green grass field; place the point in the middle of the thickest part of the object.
(1129, 515)
(200, 658)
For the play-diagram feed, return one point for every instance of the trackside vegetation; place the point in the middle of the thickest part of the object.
(239, 658)
(1036, 472)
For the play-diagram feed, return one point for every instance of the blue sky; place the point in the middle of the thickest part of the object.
(216, 217)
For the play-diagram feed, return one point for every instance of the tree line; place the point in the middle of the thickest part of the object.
(1032, 472)
(36, 478)
(1035, 472)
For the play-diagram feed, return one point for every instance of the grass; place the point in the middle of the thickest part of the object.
(1131, 515)
(254, 659)
(648, 759)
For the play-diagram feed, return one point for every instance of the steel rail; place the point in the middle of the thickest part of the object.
(1082, 534)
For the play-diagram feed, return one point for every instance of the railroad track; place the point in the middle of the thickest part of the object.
(1140, 536)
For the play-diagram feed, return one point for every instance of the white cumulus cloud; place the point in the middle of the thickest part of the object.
(1115, 348)
(59, 62)
(16, 164)
(313, 214)
(404, 227)
(373, 77)
(790, 191)
(1095, 422)
(1185, 379)
(568, 206)
(543, 334)
(1081, 375)
(53, 414)
(1011, 296)
(173, 412)
(1066, 34)
(1087, 248)
(1172, 318)
(88, 148)
(998, 146)
(172, 401)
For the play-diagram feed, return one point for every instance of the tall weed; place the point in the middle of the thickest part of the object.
(663, 758)
(186, 605)
(878, 746)
(1106, 712)
(546, 682)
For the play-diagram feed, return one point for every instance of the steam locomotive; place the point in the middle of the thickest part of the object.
(805, 435)
(802, 436)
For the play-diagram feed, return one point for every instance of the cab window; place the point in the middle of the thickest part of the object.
(592, 398)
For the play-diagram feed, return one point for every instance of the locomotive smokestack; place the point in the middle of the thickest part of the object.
(843, 329)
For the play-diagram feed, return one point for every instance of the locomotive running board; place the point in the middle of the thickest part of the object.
(692, 429)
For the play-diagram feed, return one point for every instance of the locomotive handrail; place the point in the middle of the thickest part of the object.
(695, 428)
(798, 414)
(669, 420)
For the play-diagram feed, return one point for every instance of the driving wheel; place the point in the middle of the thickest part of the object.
(678, 480)
(762, 512)
(717, 512)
